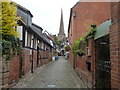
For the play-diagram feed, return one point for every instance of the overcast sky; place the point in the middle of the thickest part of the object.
(47, 12)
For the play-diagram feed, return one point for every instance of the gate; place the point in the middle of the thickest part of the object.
(103, 65)
(37, 56)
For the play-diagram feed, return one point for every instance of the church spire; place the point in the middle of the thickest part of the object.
(61, 34)
(61, 29)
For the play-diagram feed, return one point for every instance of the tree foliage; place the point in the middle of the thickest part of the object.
(55, 38)
(9, 19)
(57, 41)
(10, 42)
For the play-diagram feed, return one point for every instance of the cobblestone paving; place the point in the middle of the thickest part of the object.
(57, 74)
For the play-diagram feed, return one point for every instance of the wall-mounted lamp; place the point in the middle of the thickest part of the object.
(38, 41)
(93, 25)
(74, 14)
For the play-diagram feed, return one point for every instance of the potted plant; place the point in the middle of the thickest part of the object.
(80, 52)
(67, 48)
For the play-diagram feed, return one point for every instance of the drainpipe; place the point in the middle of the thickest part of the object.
(32, 57)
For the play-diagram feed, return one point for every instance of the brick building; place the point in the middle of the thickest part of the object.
(82, 15)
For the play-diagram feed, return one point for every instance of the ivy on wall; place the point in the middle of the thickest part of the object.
(10, 47)
(91, 32)
(78, 45)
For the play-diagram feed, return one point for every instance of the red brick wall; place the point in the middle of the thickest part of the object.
(50, 56)
(115, 10)
(46, 57)
(88, 13)
(115, 55)
(14, 71)
(81, 68)
(35, 59)
(26, 61)
(71, 56)
(115, 46)
(45, 61)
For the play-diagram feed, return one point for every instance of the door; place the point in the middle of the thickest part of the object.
(37, 56)
(103, 66)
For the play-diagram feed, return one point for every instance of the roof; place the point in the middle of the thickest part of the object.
(23, 8)
(37, 30)
(103, 29)
(48, 40)
(37, 33)
(37, 26)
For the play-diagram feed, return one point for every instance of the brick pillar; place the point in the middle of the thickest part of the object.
(92, 59)
(115, 46)
(14, 70)
(115, 55)
(5, 72)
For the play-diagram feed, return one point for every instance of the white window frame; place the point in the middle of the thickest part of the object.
(26, 35)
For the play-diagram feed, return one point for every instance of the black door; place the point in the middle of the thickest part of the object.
(103, 66)
(38, 56)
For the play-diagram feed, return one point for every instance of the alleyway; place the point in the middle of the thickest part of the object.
(57, 74)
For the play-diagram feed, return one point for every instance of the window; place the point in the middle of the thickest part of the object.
(42, 46)
(32, 36)
(88, 51)
(34, 42)
(38, 43)
(20, 30)
(26, 35)
(29, 40)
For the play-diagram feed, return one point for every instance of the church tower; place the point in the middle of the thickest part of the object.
(61, 34)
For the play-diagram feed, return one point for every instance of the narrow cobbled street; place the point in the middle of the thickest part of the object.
(57, 74)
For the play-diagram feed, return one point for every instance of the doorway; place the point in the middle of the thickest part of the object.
(103, 65)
